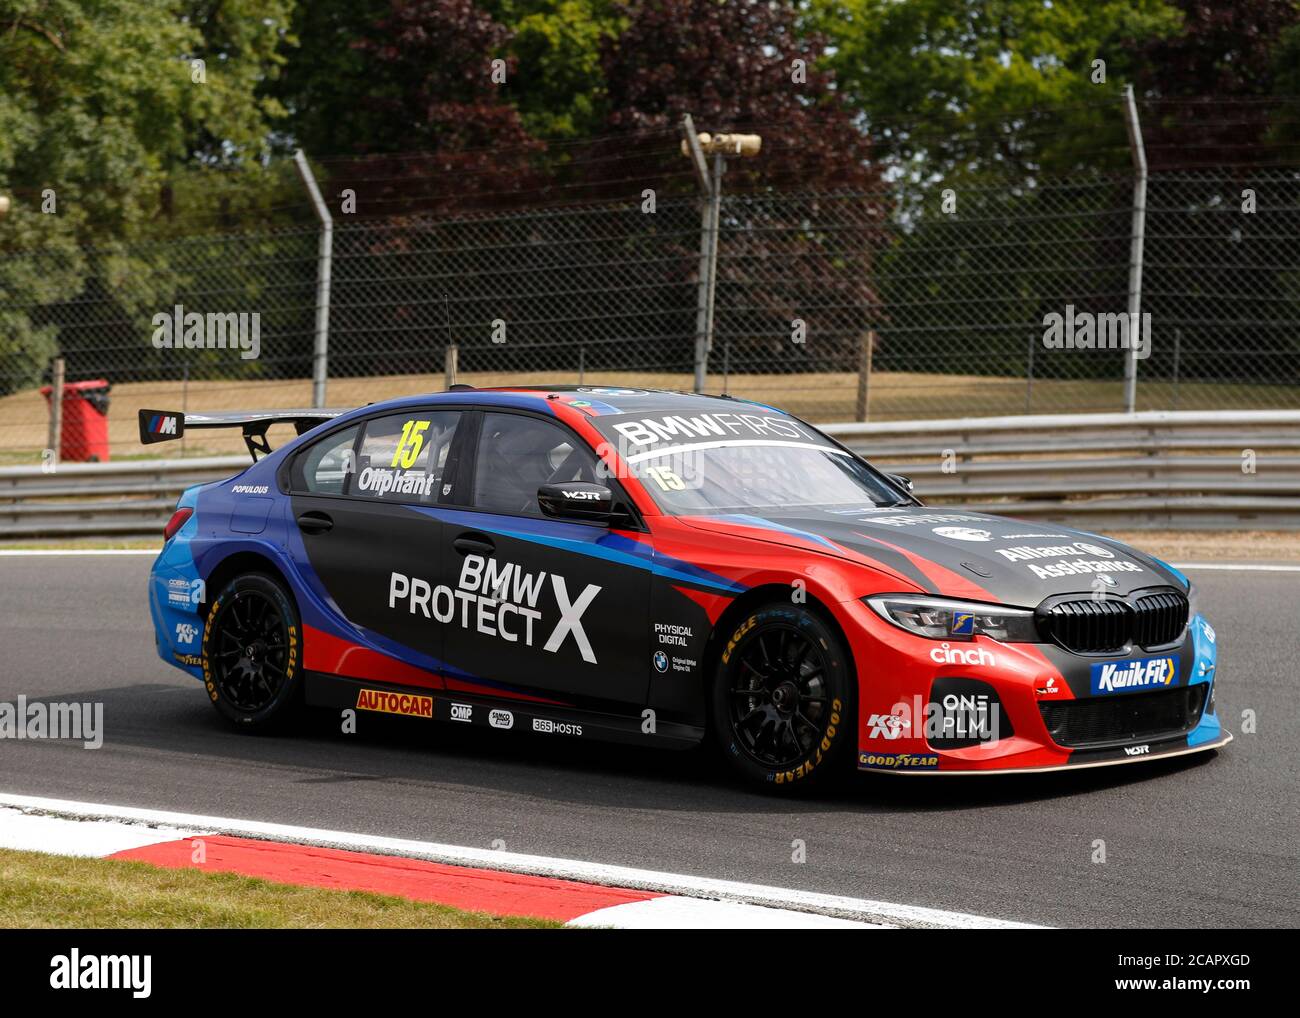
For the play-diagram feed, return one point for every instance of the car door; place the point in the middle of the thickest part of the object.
(366, 528)
(545, 608)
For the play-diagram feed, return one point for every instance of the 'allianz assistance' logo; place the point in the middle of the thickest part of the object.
(179, 329)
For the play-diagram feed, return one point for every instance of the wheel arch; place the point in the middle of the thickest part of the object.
(241, 562)
(748, 602)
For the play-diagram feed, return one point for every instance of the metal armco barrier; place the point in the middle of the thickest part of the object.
(1144, 471)
(126, 499)
(1161, 470)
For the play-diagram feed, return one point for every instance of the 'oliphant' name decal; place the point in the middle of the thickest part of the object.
(501, 600)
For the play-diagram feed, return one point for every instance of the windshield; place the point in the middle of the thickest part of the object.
(744, 476)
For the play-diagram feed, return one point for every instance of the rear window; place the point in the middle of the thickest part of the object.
(403, 457)
(325, 467)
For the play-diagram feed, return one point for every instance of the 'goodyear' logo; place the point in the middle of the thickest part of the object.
(899, 761)
(395, 703)
(1144, 673)
(819, 751)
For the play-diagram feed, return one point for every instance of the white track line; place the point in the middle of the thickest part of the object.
(837, 906)
(1230, 567)
(675, 912)
(29, 552)
(37, 832)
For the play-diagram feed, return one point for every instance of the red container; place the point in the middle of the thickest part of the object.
(84, 438)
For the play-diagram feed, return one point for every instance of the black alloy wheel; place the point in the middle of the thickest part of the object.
(782, 695)
(251, 651)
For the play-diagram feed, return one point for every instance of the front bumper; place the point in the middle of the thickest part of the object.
(915, 696)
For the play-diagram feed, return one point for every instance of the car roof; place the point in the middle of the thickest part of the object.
(605, 399)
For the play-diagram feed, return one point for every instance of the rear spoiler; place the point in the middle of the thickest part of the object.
(168, 425)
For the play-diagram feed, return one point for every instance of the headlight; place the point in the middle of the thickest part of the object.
(1193, 609)
(941, 618)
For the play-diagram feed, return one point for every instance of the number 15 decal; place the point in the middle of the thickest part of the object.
(410, 444)
(667, 479)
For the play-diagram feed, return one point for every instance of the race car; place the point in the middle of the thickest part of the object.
(665, 568)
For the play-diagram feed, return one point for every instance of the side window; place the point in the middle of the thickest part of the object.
(403, 457)
(326, 467)
(517, 454)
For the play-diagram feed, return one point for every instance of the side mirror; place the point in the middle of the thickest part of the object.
(578, 500)
(903, 482)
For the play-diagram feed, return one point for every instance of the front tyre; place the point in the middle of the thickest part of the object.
(251, 652)
(783, 697)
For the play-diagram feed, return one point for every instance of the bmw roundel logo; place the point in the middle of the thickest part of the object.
(1107, 579)
(661, 661)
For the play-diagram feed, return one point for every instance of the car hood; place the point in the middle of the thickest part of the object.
(957, 552)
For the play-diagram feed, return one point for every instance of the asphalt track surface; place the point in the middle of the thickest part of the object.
(1210, 840)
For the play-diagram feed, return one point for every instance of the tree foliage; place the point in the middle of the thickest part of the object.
(100, 105)
(981, 86)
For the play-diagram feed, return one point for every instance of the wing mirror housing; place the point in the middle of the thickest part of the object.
(582, 501)
(903, 482)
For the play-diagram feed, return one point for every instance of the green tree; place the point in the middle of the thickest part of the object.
(558, 84)
(953, 87)
(101, 106)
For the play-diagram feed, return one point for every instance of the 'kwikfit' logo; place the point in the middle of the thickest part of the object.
(1145, 673)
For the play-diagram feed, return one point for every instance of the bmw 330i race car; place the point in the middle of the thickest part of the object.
(664, 568)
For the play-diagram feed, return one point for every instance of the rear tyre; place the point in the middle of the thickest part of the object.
(783, 697)
(251, 652)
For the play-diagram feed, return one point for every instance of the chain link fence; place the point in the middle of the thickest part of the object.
(899, 303)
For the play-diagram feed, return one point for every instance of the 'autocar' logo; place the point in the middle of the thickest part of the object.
(395, 703)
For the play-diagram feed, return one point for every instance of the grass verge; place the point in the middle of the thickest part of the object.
(54, 891)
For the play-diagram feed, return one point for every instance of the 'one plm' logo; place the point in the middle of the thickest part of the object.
(1143, 673)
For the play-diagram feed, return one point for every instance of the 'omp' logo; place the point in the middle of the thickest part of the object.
(1144, 673)
(395, 703)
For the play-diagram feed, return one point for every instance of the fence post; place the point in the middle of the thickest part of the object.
(1137, 244)
(866, 346)
(708, 251)
(1029, 372)
(451, 362)
(1178, 342)
(57, 375)
(325, 255)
